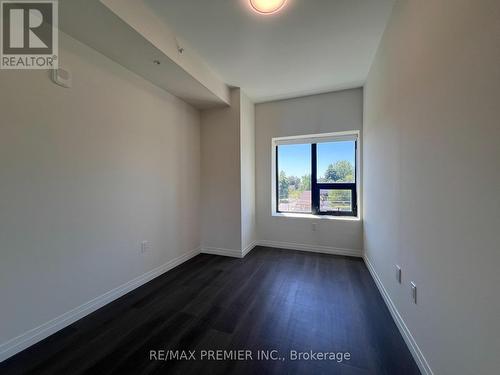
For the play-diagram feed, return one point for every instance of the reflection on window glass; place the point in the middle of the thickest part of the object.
(294, 178)
(336, 162)
(335, 200)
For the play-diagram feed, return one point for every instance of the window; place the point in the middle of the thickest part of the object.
(294, 178)
(317, 174)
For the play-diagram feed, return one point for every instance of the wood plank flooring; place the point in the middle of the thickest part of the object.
(272, 300)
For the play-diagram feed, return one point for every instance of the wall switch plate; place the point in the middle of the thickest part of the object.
(398, 273)
(145, 246)
(413, 292)
(313, 227)
(62, 77)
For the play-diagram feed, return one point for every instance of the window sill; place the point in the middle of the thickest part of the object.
(315, 217)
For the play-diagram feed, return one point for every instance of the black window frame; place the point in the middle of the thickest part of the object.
(316, 186)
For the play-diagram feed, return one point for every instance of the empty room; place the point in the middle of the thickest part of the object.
(250, 187)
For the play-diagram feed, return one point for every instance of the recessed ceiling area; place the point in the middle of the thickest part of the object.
(308, 47)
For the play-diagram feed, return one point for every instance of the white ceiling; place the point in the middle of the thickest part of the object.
(311, 46)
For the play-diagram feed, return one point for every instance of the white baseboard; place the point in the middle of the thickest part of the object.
(229, 252)
(282, 245)
(224, 252)
(405, 332)
(249, 248)
(311, 248)
(39, 333)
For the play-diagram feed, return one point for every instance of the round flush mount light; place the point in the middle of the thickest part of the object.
(267, 6)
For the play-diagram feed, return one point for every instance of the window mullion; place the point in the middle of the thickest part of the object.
(314, 183)
(277, 182)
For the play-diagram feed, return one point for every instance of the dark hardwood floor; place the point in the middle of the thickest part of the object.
(272, 300)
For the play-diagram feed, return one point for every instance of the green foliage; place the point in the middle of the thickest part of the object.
(341, 171)
(283, 185)
(292, 186)
(334, 200)
(339, 196)
(305, 183)
(294, 194)
(293, 183)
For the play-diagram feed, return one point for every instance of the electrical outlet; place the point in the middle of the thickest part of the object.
(145, 246)
(413, 292)
(398, 274)
(313, 227)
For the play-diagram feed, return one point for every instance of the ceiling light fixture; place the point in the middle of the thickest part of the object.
(267, 6)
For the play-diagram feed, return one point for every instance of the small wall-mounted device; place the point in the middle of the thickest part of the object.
(398, 274)
(62, 77)
(145, 246)
(413, 292)
(180, 49)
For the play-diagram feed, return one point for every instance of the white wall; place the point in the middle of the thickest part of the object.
(221, 177)
(432, 177)
(247, 149)
(228, 177)
(86, 174)
(338, 111)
